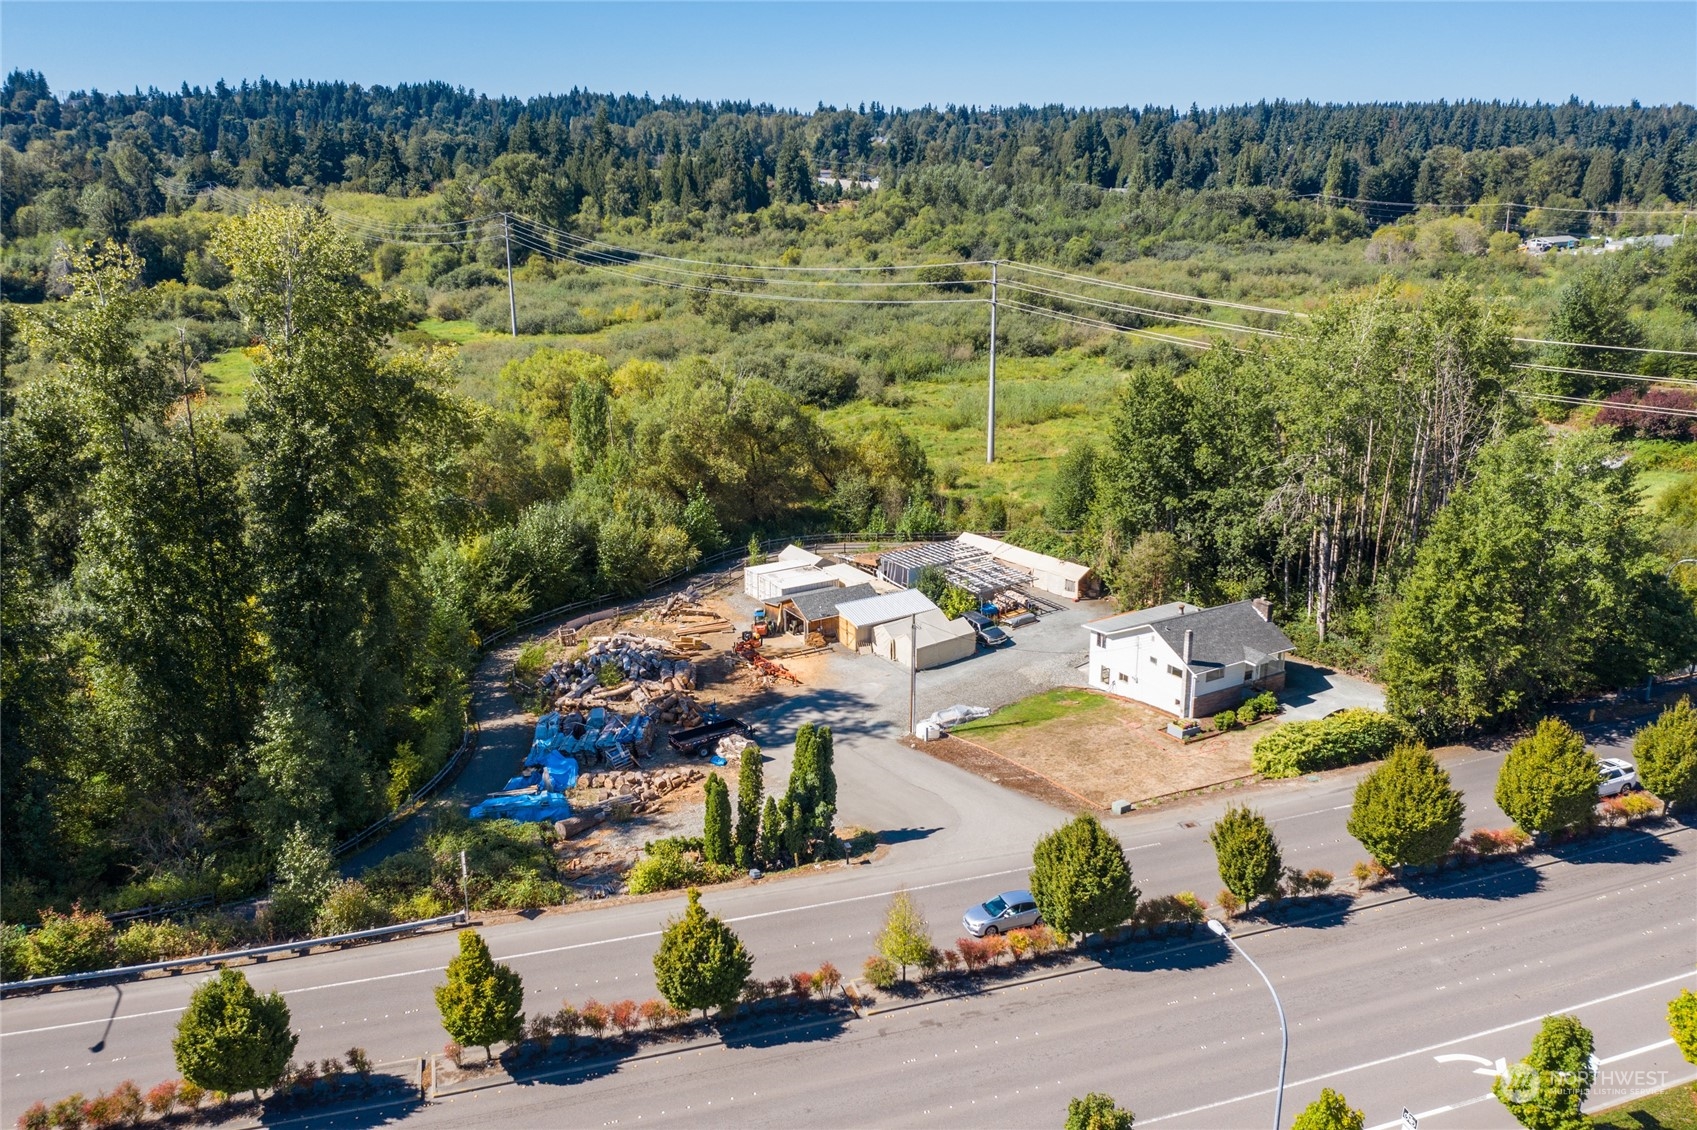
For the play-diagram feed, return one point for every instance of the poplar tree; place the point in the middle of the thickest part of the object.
(751, 783)
(716, 830)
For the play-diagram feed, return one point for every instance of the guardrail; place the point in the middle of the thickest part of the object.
(166, 910)
(467, 746)
(300, 946)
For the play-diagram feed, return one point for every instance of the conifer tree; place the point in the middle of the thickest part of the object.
(716, 832)
(751, 783)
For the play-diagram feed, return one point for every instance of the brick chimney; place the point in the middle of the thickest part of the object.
(1263, 607)
(1185, 703)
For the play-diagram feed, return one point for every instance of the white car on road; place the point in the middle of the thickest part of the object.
(1618, 777)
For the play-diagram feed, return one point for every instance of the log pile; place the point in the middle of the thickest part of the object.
(659, 679)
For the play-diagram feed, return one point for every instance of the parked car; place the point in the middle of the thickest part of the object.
(1618, 777)
(988, 634)
(1010, 910)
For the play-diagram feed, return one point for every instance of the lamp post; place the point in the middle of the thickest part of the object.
(1219, 928)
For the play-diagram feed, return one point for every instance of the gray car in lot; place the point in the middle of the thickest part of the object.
(1010, 910)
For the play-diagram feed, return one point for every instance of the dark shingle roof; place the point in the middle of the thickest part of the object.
(821, 604)
(1226, 633)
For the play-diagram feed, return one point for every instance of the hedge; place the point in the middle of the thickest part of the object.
(1347, 738)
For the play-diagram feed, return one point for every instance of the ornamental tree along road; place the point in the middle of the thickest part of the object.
(1406, 811)
(482, 1003)
(1080, 878)
(906, 936)
(1247, 853)
(1549, 780)
(1545, 1090)
(701, 963)
(1666, 753)
(232, 1039)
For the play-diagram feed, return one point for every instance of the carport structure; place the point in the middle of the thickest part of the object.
(965, 566)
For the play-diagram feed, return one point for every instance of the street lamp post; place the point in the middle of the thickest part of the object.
(1219, 928)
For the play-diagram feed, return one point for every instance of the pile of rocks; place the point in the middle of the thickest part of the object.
(636, 785)
(659, 682)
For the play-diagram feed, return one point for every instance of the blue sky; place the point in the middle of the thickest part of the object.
(798, 54)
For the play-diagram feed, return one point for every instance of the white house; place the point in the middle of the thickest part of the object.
(1186, 660)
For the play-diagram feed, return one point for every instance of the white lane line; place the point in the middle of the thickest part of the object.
(1539, 1019)
(1316, 812)
(435, 970)
(1425, 1114)
(1633, 1052)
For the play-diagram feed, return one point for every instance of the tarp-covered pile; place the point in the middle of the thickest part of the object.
(526, 807)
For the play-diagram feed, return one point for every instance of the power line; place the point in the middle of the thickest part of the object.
(1091, 280)
(1098, 323)
(1594, 345)
(1143, 311)
(1494, 204)
(1646, 409)
(1610, 376)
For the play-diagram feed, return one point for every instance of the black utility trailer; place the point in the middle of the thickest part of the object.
(698, 740)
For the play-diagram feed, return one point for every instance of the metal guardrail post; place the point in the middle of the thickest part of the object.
(230, 956)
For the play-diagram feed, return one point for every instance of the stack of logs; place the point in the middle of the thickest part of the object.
(659, 681)
(634, 789)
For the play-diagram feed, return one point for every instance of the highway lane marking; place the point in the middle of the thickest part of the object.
(1429, 1048)
(1425, 1114)
(436, 969)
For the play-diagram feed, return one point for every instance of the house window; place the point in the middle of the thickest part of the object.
(1101, 640)
(1124, 678)
(1214, 675)
(1174, 671)
(1107, 675)
(1072, 586)
(1151, 659)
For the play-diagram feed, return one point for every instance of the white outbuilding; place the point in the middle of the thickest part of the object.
(931, 638)
(857, 619)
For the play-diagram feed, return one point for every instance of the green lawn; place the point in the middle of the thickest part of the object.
(1069, 702)
(228, 376)
(1672, 1109)
(458, 332)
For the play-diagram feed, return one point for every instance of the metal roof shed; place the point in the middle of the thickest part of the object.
(857, 618)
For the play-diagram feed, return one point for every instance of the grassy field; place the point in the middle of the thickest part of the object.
(228, 376)
(1672, 1109)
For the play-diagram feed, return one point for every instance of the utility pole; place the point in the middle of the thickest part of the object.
(512, 302)
(913, 667)
(990, 437)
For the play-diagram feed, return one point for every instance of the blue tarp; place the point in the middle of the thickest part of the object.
(524, 781)
(527, 809)
(559, 772)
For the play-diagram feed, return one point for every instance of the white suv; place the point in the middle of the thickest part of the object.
(1618, 777)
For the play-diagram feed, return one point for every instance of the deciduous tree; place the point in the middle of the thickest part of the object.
(482, 1003)
(1080, 878)
(1545, 1090)
(1406, 811)
(232, 1039)
(1247, 853)
(1549, 780)
(1331, 1111)
(701, 963)
(906, 937)
(1097, 1111)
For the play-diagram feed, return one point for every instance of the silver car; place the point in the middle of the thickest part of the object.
(1010, 910)
(1618, 776)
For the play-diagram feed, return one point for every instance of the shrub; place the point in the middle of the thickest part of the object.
(531, 658)
(609, 674)
(1230, 905)
(801, 985)
(880, 972)
(1195, 909)
(126, 1096)
(142, 942)
(162, 1097)
(1225, 720)
(568, 1022)
(190, 1095)
(1264, 705)
(1019, 944)
(972, 954)
(951, 960)
(359, 1063)
(349, 908)
(594, 1016)
(995, 948)
(454, 1053)
(624, 1016)
(71, 943)
(930, 961)
(654, 1013)
(1495, 841)
(36, 1117)
(527, 889)
(1347, 738)
(827, 980)
(1682, 1023)
(67, 1112)
(665, 867)
(1627, 807)
(1299, 883)
(14, 952)
(100, 1112)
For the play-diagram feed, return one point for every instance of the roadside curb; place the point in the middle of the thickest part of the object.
(504, 1077)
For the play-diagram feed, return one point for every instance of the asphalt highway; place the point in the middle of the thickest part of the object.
(378, 997)
(1415, 1003)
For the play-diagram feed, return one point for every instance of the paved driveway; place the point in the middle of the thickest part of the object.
(1313, 692)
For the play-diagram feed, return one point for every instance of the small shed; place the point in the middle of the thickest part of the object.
(939, 640)
(857, 619)
(772, 589)
(816, 610)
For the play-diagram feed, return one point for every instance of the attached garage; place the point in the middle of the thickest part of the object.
(940, 640)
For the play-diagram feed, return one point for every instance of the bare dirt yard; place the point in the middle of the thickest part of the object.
(1101, 749)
